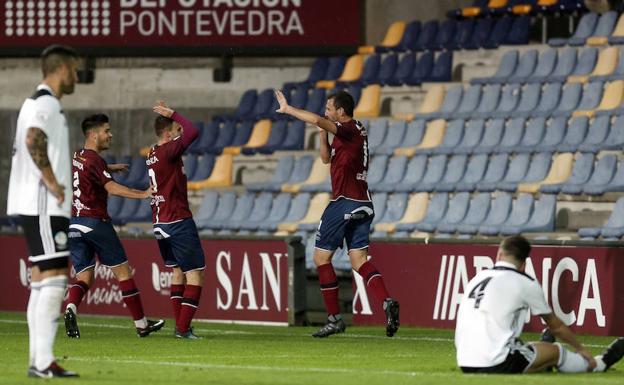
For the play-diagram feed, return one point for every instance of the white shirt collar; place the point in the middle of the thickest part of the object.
(44, 86)
(506, 264)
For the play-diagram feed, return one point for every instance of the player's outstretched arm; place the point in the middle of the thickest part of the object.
(37, 144)
(563, 333)
(115, 188)
(306, 116)
(117, 167)
(189, 133)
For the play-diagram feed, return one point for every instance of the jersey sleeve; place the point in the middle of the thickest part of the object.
(535, 300)
(189, 134)
(45, 108)
(101, 172)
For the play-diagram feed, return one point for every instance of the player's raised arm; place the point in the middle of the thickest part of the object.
(306, 116)
(189, 131)
(115, 188)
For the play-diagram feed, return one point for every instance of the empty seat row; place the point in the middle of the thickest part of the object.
(482, 8)
(595, 29)
(126, 210)
(612, 230)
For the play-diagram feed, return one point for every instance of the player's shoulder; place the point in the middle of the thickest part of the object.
(514, 273)
(43, 99)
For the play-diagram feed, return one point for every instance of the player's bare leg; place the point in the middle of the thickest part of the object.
(189, 304)
(374, 281)
(329, 289)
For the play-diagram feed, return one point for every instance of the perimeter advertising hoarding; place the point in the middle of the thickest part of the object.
(249, 281)
(165, 25)
(583, 284)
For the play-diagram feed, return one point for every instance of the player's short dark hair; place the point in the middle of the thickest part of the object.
(162, 124)
(93, 121)
(343, 99)
(54, 56)
(516, 246)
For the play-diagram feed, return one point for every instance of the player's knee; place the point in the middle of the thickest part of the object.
(322, 258)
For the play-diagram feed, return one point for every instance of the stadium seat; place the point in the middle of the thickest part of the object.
(370, 71)
(489, 102)
(246, 105)
(437, 207)
(224, 208)
(388, 69)
(426, 37)
(393, 38)
(436, 168)
(614, 228)
(207, 207)
(518, 168)
(351, 72)
(560, 171)
(393, 138)
(409, 38)
(414, 212)
(376, 132)
(281, 175)
(509, 100)
(469, 102)
(379, 200)
(242, 209)
(542, 218)
(529, 100)
(581, 172)
(259, 210)
(316, 101)
(258, 138)
(512, 136)
(264, 102)
(114, 204)
(555, 132)
(497, 214)
(575, 134)
(414, 173)
(495, 172)
(480, 34)
(318, 174)
(203, 168)
(617, 36)
(317, 71)
(606, 64)
(422, 69)
(280, 206)
(227, 131)
(475, 215)
(616, 184)
(206, 139)
(602, 174)
(505, 69)
(471, 11)
(276, 137)
(369, 105)
(604, 28)
(137, 174)
(433, 137)
(377, 169)
(455, 170)
(521, 211)
(592, 94)
(127, 210)
(443, 68)
(612, 99)
(533, 135)
(294, 139)
(312, 217)
(475, 171)
(570, 97)
(396, 208)
(190, 165)
(452, 99)
(586, 62)
(546, 63)
(221, 175)
(446, 32)
(596, 134)
(298, 98)
(519, 31)
(463, 34)
(456, 212)
(473, 134)
(394, 173)
(584, 29)
(452, 137)
(566, 62)
(404, 70)
(335, 68)
(492, 136)
(499, 33)
(615, 139)
(433, 101)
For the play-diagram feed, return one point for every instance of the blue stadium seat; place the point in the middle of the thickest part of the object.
(243, 132)
(575, 134)
(586, 62)
(541, 220)
(584, 29)
(281, 175)
(603, 172)
(297, 210)
(581, 172)
(496, 171)
(456, 212)
(475, 215)
(422, 69)
(276, 138)
(446, 32)
(377, 132)
(452, 99)
(533, 134)
(246, 105)
(617, 183)
(489, 102)
(137, 175)
(192, 147)
(463, 34)
(565, 64)
(239, 212)
(377, 169)
(414, 133)
(317, 71)
(356, 91)
(279, 207)
(206, 140)
(452, 137)
(480, 34)
(388, 69)
(297, 98)
(497, 214)
(370, 72)
(257, 211)
(551, 96)
(404, 70)
(294, 139)
(592, 94)
(469, 102)
(263, 104)
(114, 204)
(512, 136)
(395, 208)
(570, 98)
(409, 38)
(335, 67)
(519, 31)
(443, 68)
(316, 101)
(426, 38)
(203, 168)
(526, 66)
(604, 27)
(528, 101)
(455, 171)
(127, 210)
(393, 139)
(544, 67)
(518, 167)
(536, 172)
(436, 209)
(394, 173)
(555, 132)
(505, 69)
(436, 168)
(207, 207)
(475, 171)
(510, 98)
(615, 139)
(227, 131)
(614, 228)
(519, 215)
(492, 136)
(414, 173)
(473, 134)
(190, 165)
(143, 212)
(498, 34)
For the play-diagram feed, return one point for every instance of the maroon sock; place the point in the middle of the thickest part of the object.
(373, 280)
(329, 288)
(177, 292)
(132, 298)
(77, 292)
(190, 302)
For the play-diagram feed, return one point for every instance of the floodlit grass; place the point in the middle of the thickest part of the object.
(109, 352)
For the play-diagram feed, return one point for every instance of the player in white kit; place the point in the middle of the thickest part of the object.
(492, 314)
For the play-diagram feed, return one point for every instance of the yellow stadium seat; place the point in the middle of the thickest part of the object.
(221, 175)
(432, 103)
(607, 61)
(393, 37)
(560, 171)
(434, 135)
(471, 11)
(369, 105)
(144, 151)
(352, 72)
(318, 174)
(521, 9)
(317, 205)
(611, 98)
(618, 31)
(414, 212)
(258, 138)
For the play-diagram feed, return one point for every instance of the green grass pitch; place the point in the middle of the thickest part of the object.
(109, 352)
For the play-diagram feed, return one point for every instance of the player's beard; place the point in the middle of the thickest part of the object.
(67, 87)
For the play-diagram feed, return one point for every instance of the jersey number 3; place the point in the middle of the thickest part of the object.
(477, 292)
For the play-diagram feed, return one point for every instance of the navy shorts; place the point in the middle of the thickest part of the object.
(91, 236)
(180, 246)
(345, 220)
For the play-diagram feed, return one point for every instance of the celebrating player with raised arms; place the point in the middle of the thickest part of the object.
(91, 231)
(349, 215)
(174, 226)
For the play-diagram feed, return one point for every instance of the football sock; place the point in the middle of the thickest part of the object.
(31, 318)
(51, 294)
(374, 281)
(329, 288)
(132, 299)
(177, 292)
(600, 364)
(77, 292)
(571, 362)
(188, 307)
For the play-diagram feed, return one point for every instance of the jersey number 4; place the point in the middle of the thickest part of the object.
(477, 292)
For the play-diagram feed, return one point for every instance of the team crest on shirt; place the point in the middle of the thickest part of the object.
(106, 174)
(60, 239)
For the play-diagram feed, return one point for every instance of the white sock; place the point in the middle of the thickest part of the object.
(73, 307)
(141, 323)
(570, 362)
(30, 317)
(47, 314)
(600, 365)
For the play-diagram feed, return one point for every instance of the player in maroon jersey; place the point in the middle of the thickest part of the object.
(91, 231)
(348, 216)
(174, 227)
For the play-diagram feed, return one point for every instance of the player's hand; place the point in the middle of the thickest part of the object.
(588, 356)
(149, 193)
(162, 109)
(58, 191)
(283, 103)
(118, 167)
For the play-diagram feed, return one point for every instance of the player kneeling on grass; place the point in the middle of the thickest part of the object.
(349, 215)
(91, 231)
(491, 316)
